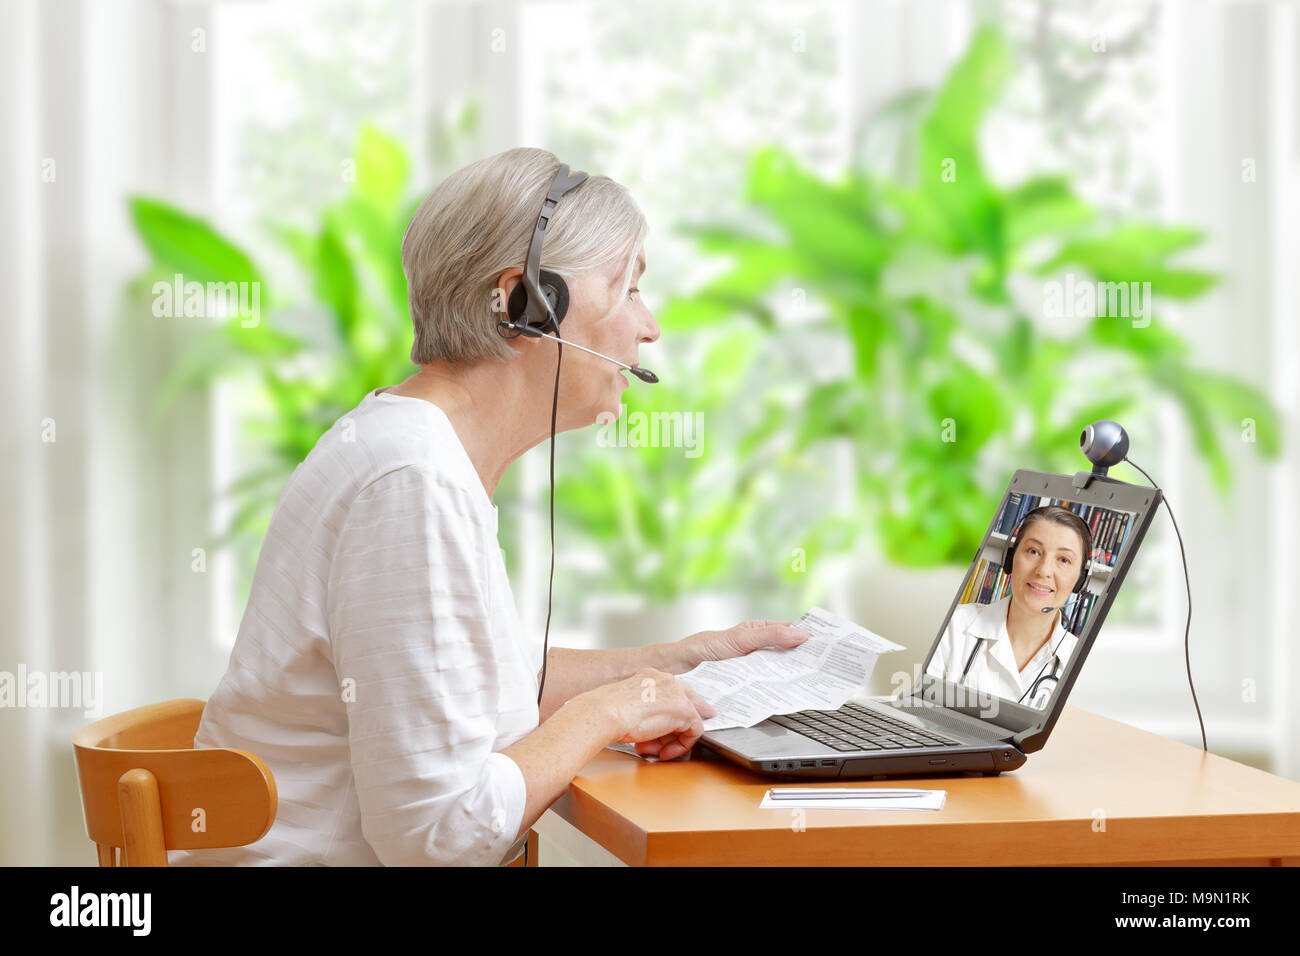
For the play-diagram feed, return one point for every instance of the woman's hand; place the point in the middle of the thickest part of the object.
(660, 714)
(736, 641)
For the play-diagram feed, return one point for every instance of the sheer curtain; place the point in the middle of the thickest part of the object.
(103, 506)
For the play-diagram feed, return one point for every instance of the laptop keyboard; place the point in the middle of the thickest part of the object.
(854, 727)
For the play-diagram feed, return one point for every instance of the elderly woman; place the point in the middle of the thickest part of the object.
(1017, 647)
(380, 668)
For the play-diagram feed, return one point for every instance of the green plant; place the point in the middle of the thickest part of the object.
(305, 367)
(668, 520)
(923, 280)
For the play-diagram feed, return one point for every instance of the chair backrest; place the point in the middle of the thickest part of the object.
(146, 790)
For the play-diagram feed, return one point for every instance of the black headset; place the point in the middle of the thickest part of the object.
(540, 299)
(1081, 583)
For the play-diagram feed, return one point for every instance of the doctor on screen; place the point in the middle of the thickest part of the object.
(1017, 648)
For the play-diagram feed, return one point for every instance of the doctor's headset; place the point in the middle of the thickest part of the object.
(1080, 586)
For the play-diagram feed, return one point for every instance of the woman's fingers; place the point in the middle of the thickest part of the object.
(655, 744)
(752, 625)
(652, 748)
(672, 751)
(669, 746)
(758, 634)
(680, 744)
(672, 722)
(702, 706)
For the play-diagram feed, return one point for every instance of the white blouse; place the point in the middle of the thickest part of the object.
(380, 666)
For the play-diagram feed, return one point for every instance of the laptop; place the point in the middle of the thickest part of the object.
(944, 722)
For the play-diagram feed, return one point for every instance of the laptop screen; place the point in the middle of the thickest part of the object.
(1036, 594)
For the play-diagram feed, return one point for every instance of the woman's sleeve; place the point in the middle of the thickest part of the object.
(420, 674)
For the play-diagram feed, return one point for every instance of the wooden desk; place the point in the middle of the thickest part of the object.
(1100, 792)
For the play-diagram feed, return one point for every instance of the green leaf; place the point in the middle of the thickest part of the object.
(1070, 423)
(1182, 283)
(1135, 253)
(925, 533)
(382, 169)
(1042, 207)
(824, 222)
(1014, 349)
(1153, 344)
(952, 175)
(831, 410)
(185, 244)
(1199, 419)
(693, 313)
(1246, 410)
(300, 243)
(773, 423)
(379, 243)
(336, 282)
(727, 357)
(869, 328)
(974, 405)
(262, 340)
(932, 324)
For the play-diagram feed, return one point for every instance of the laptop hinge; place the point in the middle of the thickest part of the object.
(1029, 741)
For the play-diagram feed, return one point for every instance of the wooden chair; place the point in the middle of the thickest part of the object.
(529, 858)
(146, 790)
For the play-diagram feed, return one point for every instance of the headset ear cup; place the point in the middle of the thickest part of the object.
(553, 287)
(556, 291)
(517, 302)
(1081, 585)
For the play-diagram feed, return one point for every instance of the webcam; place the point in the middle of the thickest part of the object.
(1105, 444)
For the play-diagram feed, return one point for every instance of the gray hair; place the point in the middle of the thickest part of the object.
(478, 223)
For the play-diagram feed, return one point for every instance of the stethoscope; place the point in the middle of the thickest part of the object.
(1053, 676)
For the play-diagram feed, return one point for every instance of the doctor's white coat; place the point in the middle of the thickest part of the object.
(993, 670)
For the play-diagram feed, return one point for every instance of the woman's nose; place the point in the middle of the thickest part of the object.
(650, 329)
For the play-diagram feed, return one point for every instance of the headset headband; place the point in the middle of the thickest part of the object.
(537, 312)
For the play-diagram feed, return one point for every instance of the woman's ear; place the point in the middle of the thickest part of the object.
(505, 285)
